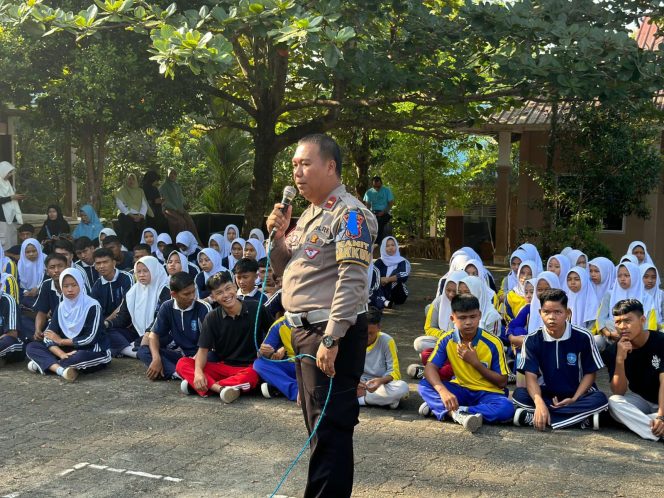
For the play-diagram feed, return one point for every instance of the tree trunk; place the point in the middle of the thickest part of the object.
(87, 144)
(101, 167)
(423, 192)
(67, 208)
(548, 220)
(258, 202)
(360, 151)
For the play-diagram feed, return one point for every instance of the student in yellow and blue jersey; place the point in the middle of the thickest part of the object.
(278, 377)
(477, 392)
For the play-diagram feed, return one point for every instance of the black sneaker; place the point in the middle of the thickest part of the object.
(523, 418)
(591, 422)
(415, 371)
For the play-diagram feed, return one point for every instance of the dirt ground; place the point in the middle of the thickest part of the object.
(116, 434)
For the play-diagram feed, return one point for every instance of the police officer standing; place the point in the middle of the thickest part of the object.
(324, 262)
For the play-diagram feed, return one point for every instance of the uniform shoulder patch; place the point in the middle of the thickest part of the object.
(329, 204)
(353, 240)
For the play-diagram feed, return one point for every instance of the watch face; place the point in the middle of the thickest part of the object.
(328, 341)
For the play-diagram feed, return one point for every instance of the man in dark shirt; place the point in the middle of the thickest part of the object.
(50, 295)
(85, 250)
(229, 332)
(638, 378)
(124, 260)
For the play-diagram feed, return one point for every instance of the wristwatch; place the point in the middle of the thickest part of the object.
(660, 418)
(329, 342)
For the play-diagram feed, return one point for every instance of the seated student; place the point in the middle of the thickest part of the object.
(32, 272)
(245, 271)
(54, 226)
(639, 249)
(85, 252)
(381, 383)
(163, 240)
(559, 264)
(577, 258)
(253, 249)
(177, 262)
(477, 287)
(24, 232)
(260, 278)
(109, 291)
(394, 270)
(257, 233)
(511, 280)
(652, 287)
(124, 260)
(12, 345)
(376, 296)
(637, 383)
(515, 298)
(74, 340)
(150, 237)
(49, 295)
(90, 225)
(229, 331)
(567, 359)
(278, 376)
(477, 391)
(140, 251)
(235, 254)
(583, 304)
(602, 273)
(188, 245)
(218, 243)
(438, 321)
(209, 261)
(139, 306)
(7, 265)
(179, 321)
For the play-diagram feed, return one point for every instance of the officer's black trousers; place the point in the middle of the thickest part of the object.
(331, 463)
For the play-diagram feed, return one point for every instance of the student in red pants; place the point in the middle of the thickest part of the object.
(229, 331)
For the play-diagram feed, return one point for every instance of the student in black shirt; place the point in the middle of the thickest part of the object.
(123, 260)
(638, 379)
(24, 232)
(229, 331)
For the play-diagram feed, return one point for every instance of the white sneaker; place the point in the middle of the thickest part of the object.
(424, 410)
(229, 394)
(470, 422)
(415, 371)
(33, 367)
(184, 387)
(395, 405)
(70, 374)
(591, 422)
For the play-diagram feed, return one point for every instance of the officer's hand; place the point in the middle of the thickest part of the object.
(279, 220)
(325, 359)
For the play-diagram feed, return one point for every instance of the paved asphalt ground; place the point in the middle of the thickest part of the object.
(116, 434)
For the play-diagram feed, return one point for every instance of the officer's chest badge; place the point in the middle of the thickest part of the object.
(311, 253)
(314, 238)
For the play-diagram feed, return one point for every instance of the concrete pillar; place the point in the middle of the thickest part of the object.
(504, 167)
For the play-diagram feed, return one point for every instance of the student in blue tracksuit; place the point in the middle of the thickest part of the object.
(394, 270)
(74, 340)
(84, 248)
(246, 273)
(109, 290)
(49, 295)
(12, 348)
(376, 296)
(124, 260)
(279, 377)
(179, 321)
(567, 360)
(177, 262)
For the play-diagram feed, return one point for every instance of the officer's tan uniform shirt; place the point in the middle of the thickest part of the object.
(324, 260)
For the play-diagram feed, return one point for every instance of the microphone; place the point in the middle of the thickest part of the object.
(289, 194)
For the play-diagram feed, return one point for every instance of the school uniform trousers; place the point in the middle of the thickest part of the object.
(386, 394)
(635, 412)
(594, 401)
(169, 359)
(11, 349)
(218, 372)
(279, 374)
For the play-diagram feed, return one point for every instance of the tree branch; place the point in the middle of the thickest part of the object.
(242, 104)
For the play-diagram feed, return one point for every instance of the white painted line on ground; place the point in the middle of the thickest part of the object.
(119, 471)
(172, 479)
(68, 471)
(143, 474)
(11, 495)
(98, 467)
(137, 473)
(79, 466)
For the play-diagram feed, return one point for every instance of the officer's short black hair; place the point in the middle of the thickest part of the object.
(218, 279)
(555, 295)
(377, 179)
(103, 252)
(180, 281)
(111, 239)
(374, 315)
(64, 244)
(82, 243)
(54, 255)
(246, 265)
(463, 303)
(628, 306)
(328, 147)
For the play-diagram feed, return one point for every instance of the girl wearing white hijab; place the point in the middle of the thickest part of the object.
(177, 262)
(257, 233)
(231, 232)
(577, 258)
(534, 256)
(560, 265)
(236, 252)
(209, 262)
(76, 326)
(490, 320)
(253, 249)
(188, 245)
(105, 232)
(510, 281)
(545, 281)
(473, 255)
(582, 301)
(218, 243)
(458, 262)
(163, 240)
(651, 284)
(10, 216)
(394, 271)
(516, 298)
(639, 249)
(629, 285)
(31, 270)
(602, 273)
(150, 237)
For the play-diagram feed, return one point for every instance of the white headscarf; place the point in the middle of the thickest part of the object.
(457, 262)
(184, 262)
(607, 271)
(215, 257)
(512, 277)
(231, 258)
(11, 209)
(228, 242)
(221, 242)
(72, 313)
(636, 243)
(142, 299)
(574, 255)
(484, 295)
(166, 239)
(520, 288)
(154, 248)
(258, 247)
(445, 308)
(534, 256)
(635, 291)
(630, 258)
(535, 320)
(482, 272)
(391, 262)
(257, 233)
(106, 232)
(31, 273)
(565, 250)
(188, 240)
(583, 304)
(656, 292)
(563, 261)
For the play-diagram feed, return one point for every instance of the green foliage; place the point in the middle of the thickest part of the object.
(580, 235)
